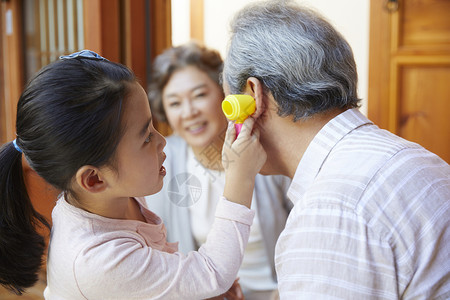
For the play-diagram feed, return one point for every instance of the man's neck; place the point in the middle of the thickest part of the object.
(287, 141)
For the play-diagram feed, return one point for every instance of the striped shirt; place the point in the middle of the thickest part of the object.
(371, 218)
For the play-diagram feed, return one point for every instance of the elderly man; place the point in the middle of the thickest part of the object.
(371, 210)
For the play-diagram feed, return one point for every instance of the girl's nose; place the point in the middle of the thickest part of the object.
(162, 141)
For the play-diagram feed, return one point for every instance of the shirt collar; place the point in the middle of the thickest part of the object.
(319, 149)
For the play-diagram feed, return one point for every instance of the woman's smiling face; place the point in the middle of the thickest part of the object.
(192, 102)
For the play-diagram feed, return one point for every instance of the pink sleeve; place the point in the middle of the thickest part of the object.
(131, 270)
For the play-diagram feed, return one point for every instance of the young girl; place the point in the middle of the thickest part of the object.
(85, 126)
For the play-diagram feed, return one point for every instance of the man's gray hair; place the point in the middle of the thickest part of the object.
(298, 56)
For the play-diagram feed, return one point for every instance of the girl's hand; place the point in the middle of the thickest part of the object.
(242, 158)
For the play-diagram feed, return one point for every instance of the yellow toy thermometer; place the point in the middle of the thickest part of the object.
(238, 108)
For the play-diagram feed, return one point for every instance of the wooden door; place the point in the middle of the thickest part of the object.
(409, 71)
(12, 70)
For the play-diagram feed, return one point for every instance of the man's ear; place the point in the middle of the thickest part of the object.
(90, 179)
(255, 89)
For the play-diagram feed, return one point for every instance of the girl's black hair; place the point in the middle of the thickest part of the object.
(69, 115)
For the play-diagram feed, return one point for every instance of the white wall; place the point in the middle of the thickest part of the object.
(350, 17)
(180, 21)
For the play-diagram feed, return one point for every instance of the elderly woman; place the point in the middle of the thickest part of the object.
(186, 92)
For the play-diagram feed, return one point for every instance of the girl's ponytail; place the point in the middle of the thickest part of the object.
(21, 246)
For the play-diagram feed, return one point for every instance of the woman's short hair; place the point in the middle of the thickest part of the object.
(176, 58)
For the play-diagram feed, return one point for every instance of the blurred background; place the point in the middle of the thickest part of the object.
(401, 47)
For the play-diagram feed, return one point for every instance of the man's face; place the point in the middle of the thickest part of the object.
(267, 137)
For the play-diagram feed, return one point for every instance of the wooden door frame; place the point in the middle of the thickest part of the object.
(101, 22)
(12, 66)
(197, 20)
(145, 35)
(131, 32)
(379, 65)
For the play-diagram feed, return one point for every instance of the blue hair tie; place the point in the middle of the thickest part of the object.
(17, 147)
(83, 54)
